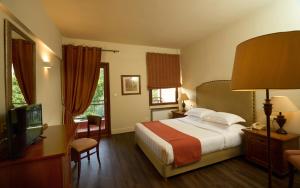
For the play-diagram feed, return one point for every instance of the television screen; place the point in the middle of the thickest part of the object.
(34, 123)
(25, 127)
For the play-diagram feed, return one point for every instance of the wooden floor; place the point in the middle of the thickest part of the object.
(124, 165)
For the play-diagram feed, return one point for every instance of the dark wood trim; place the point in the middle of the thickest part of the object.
(123, 76)
(9, 27)
(159, 104)
(107, 131)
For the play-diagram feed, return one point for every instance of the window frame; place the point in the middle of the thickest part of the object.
(165, 103)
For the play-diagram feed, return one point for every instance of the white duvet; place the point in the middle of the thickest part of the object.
(213, 137)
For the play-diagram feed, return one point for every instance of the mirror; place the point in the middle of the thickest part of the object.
(20, 74)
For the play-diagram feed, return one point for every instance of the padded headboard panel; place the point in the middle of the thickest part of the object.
(217, 95)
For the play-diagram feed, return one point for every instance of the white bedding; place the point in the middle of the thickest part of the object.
(213, 137)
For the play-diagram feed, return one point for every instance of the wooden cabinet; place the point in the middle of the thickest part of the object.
(45, 164)
(178, 114)
(256, 148)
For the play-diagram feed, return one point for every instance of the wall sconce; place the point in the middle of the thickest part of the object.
(46, 61)
(47, 65)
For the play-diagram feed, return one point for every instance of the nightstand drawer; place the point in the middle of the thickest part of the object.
(257, 149)
(178, 114)
(260, 140)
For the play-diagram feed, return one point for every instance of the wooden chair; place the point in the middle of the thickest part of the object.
(293, 158)
(84, 145)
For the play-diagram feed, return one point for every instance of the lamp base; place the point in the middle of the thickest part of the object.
(281, 131)
(183, 106)
(280, 119)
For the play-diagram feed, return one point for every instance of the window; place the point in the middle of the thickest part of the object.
(17, 95)
(163, 96)
(97, 105)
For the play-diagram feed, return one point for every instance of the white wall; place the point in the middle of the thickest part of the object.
(48, 84)
(212, 57)
(126, 110)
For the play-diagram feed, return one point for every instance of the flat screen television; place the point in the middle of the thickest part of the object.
(25, 127)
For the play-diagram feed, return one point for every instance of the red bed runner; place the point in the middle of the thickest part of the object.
(186, 149)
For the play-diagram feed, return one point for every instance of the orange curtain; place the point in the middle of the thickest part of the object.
(22, 60)
(81, 74)
(163, 70)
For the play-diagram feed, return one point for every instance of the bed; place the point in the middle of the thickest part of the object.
(217, 143)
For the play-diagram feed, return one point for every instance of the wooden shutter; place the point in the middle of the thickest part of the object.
(163, 70)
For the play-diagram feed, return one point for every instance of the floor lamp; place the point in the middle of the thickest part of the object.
(268, 62)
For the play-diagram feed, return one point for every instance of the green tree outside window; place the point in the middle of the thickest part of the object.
(17, 96)
(97, 105)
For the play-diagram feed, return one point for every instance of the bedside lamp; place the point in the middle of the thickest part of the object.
(268, 62)
(282, 104)
(183, 97)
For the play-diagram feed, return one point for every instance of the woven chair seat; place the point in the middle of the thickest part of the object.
(83, 144)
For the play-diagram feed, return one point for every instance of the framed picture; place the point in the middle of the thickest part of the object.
(131, 84)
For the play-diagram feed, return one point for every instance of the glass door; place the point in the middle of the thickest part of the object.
(100, 104)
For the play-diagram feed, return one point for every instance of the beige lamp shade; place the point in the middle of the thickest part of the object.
(184, 97)
(268, 62)
(283, 104)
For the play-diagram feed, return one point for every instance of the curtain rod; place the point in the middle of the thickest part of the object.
(106, 50)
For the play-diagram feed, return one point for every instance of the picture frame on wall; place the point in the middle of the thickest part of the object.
(131, 84)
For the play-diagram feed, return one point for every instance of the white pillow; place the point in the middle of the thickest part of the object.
(223, 118)
(198, 112)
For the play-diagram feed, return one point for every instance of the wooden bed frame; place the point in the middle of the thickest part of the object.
(216, 95)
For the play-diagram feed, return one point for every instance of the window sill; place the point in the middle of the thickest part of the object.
(164, 106)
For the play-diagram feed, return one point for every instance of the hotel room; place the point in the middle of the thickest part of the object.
(199, 93)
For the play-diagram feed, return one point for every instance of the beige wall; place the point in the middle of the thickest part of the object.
(212, 57)
(32, 14)
(48, 84)
(126, 111)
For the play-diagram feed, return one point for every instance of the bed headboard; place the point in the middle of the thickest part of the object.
(217, 95)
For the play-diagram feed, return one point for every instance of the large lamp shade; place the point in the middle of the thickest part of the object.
(268, 62)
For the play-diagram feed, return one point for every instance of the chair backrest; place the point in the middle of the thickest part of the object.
(94, 120)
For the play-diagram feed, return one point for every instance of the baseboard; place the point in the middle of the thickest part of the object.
(122, 130)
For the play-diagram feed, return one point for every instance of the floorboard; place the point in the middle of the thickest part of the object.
(124, 165)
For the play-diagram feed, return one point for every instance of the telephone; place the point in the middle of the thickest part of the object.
(258, 126)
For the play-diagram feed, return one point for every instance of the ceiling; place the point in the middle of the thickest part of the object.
(165, 23)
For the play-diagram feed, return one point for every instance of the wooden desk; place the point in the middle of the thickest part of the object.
(45, 164)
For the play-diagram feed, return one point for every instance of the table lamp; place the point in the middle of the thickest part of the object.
(282, 104)
(268, 62)
(183, 97)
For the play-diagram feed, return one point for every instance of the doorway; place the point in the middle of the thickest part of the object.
(99, 106)
(106, 128)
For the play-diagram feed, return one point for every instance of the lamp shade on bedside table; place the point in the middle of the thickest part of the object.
(268, 62)
(183, 97)
(282, 104)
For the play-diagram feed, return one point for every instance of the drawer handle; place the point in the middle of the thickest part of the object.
(261, 140)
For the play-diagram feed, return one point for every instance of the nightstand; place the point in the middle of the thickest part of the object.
(178, 114)
(256, 148)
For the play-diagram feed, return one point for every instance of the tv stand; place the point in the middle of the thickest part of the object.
(45, 164)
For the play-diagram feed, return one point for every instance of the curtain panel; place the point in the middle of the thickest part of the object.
(81, 73)
(163, 70)
(22, 61)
